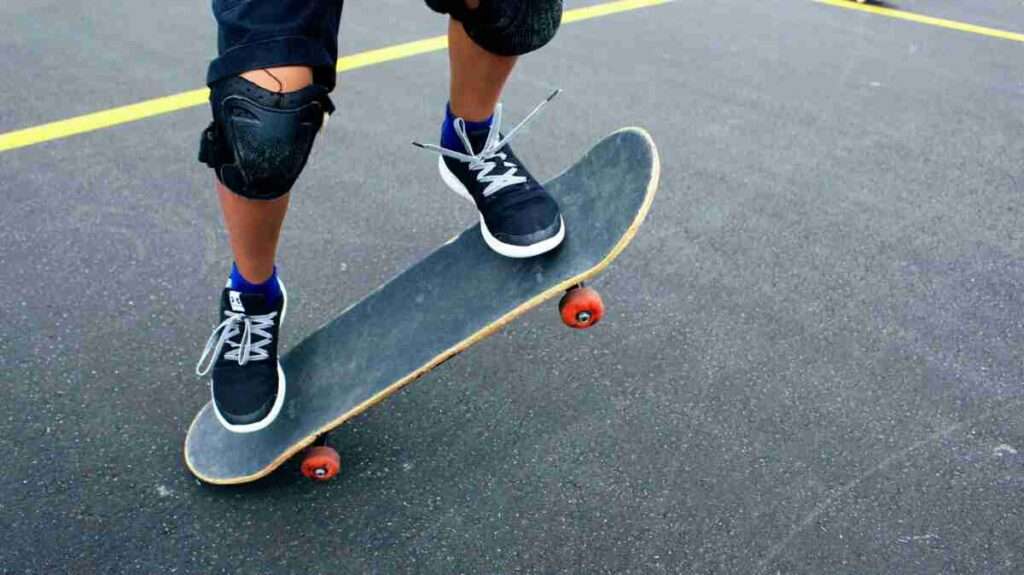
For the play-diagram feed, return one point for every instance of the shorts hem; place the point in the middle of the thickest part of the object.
(282, 51)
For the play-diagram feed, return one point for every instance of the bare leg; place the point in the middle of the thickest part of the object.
(478, 76)
(254, 226)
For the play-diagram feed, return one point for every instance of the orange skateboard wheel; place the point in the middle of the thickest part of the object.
(321, 463)
(581, 307)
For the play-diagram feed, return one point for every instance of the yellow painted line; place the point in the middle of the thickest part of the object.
(599, 10)
(392, 53)
(167, 104)
(929, 20)
(104, 119)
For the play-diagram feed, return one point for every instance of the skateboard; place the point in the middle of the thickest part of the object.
(453, 298)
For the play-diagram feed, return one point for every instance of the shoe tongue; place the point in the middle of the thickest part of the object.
(478, 138)
(247, 303)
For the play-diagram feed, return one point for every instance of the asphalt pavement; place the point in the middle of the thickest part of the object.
(812, 362)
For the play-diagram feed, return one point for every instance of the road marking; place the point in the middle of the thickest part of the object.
(922, 19)
(175, 102)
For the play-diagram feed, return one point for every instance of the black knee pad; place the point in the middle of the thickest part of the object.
(259, 140)
(506, 27)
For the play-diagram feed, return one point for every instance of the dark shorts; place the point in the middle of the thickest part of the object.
(254, 34)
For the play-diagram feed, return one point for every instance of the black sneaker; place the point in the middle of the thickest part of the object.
(518, 218)
(247, 383)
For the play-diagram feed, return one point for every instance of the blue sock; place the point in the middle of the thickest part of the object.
(269, 289)
(449, 139)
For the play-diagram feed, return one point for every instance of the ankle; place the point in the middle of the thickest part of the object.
(450, 139)
(252, 275)
(476, 113)
(268, 287)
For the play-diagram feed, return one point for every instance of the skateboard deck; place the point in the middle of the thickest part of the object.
(440, 306)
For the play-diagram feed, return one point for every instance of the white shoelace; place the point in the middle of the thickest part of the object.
(486, 160)
(242, 351)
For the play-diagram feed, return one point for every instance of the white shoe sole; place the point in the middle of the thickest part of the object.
(278, 401)
(507, 250)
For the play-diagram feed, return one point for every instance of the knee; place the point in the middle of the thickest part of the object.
(506, 28)
(260, 138)
(281, 79)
